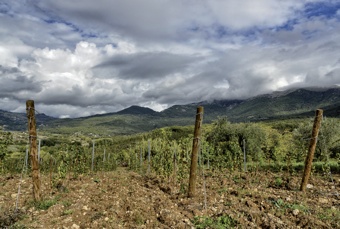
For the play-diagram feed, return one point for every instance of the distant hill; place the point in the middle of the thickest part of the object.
(212, 109)
(18, 121)
(286, 104)
(137, 110)
(293, 103)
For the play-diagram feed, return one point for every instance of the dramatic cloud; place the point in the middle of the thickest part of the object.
(147, 65)
(82, 57)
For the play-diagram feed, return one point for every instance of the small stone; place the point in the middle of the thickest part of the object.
(14, 195)
(310, 186)
(106, 219)
(296, 211)
(288, 199)
(75, 226)
(323, 200)
(187, 221)
(85, 208)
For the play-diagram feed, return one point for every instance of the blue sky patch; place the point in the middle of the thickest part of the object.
(88, 35)
(289, 25)
(325, 9)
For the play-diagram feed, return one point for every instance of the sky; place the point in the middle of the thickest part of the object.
(83, 57)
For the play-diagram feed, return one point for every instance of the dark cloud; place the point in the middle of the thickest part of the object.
(145, 66)
(13, 82)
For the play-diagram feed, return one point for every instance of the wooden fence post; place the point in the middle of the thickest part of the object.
(244, 155)
(175, 165)
(92, 161)
(194, 155)
(33, 149)
(149, 157)
(311, 149)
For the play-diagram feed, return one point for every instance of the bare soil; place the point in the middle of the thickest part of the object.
(126, 199)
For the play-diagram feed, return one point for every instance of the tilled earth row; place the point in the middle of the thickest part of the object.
(125, 199)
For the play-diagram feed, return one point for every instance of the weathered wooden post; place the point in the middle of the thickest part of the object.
(175, 165)
(208, 153)
(92, 161)
(136, 160)
(149, 157)
(141, 159)
(311, 149)
(244, 155)
(33, 149)
(194, 155)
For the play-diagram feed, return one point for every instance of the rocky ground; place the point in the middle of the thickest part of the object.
(126, 199)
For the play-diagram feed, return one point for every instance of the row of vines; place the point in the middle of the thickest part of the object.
(279, 145)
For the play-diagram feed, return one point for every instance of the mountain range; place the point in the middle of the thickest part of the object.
(293, 103)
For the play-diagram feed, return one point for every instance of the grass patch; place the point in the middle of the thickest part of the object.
(67, 212)
(139, 219)
(45, 204)
(330, 214)
(299, 207)
(66, 203)
(222, 190)
(278, 181)
(280, 204)
(221, 222)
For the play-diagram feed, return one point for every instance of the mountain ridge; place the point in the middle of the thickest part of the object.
(301, 102)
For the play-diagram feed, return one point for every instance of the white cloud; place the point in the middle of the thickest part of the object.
(241, 15)
(77, 58)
